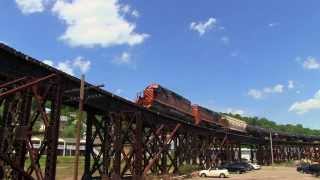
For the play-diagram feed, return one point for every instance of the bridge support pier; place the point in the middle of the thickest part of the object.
(17, 126)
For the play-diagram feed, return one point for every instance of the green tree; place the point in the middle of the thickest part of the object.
(287, 128)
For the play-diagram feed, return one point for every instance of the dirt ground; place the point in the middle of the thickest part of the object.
(271, 173)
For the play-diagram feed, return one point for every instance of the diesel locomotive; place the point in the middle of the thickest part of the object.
(165, 101)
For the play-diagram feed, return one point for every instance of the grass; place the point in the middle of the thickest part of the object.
(290, 163)
(188, 168)
(65, 166)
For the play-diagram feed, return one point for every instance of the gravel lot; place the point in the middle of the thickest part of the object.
(271, 173)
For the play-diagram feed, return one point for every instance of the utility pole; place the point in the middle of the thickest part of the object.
(271, 148)
(78, 128)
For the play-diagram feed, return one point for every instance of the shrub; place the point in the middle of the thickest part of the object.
(188, 168)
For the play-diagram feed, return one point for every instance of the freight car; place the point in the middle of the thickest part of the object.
(165, 101)
(234, 123)
(256, 130)
(206, 117)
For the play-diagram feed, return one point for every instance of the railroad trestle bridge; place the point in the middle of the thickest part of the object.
(122, 139)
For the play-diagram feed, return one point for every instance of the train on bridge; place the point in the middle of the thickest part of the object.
(163, 100)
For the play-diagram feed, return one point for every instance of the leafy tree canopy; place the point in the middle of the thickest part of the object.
(288, 128)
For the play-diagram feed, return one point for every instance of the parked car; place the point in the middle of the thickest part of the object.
(309, 169)
(255, 166)
(214, 172)
(315, 169)
(304, 168)
(246, 165)
(235, 167)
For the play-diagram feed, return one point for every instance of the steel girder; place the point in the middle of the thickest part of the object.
(24, 102)
(123, 144)
(132, 144)
(288, 152)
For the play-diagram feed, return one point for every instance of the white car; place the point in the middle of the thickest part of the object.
(255, 166)
(222, 173)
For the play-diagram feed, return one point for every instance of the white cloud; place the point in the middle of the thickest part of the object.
(118, 91)
(30, 6)
(311, 63)
(69, 67)
(259, 94)
(96, 23)
(278, 88)
(48, 62)
(3, 42)
(256, 94)
(82, 64)
(306, 106)
(225, 39)
(275, 89)
(291, 84)
(235, 111)
(135, 13)
(125, 8)
(203, 27)
(66, 66)
(124, 58)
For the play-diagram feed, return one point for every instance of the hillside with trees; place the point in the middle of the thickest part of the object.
(288, 128)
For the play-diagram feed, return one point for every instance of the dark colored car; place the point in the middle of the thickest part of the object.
(304, 168)
(235, 167)
(246, 165)
(309, 169)
(315, 169)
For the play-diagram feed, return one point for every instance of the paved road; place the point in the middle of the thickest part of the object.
(270, 173)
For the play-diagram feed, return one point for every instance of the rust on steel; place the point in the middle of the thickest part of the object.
(12, 82)
(78, 128)
(157, 156)
(17, 122)
(11, 91)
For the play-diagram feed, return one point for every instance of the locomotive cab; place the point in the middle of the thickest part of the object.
(162, 100)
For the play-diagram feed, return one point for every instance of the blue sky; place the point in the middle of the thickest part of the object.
(259, 58)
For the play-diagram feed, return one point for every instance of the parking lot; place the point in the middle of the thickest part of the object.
(271, 173)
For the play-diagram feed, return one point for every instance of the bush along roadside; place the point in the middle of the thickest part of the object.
(187, 170)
